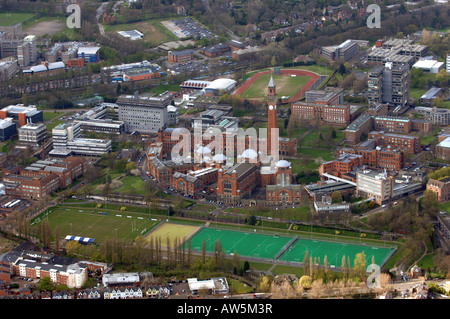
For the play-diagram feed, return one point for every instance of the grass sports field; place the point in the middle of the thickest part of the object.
(286, 85)
(334, 252)
(244, 243)
(290, 248)
(172, 231)
(81, 222)
(9, 18)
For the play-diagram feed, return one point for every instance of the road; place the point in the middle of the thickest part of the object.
(100, 10)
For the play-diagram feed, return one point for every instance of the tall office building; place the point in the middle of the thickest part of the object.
(33, 134)
(375, 85)
(389, 84)
(143, 113)
(374, 183)
(31, 40)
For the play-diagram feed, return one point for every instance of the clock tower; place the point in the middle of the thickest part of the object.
(271, 112)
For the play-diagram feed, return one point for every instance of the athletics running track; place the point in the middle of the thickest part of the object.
(313, 78)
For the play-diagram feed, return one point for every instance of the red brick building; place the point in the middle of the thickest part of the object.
(389, 159)
(163, 170)
(278, 181)
(194, 181)
(44, 177)
(36, 187)
(75, 63)
(392, 124)
(405, 143)
(237, 182)
(400, 124)
(67, 169)
(335, 115)
(215, 50)
(342, 165)
(283, 194)
(180, 56)
(358, 128)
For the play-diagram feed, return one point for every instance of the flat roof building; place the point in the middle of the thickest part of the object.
(106, 126)
(67, 137)
(375, 184)
(90, 54)
(8, 129)
(429, 66)
(214, 285)
(22, 114)
(131, 34)
(345, 51)
(143, 113)
(32, 134)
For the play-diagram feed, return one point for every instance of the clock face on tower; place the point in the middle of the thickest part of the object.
(270, 107)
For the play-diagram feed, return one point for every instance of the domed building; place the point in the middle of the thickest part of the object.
(280, 190)
(249, 155)
(202, 154)
(219, 158)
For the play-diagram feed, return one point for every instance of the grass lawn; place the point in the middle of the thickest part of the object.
(53, 124)
(8, 19)
(417, 93)
(286, 86)
(298, 213)
(445, 207)
(163, 88)
(313, 139)
(204, 208)
(237, 287)
(297, 132)
(326, 155)
(154, 31)
(310, 160)
(131, 184)
(299, 165)
(281, 269)
(50, 115)
(429, 138)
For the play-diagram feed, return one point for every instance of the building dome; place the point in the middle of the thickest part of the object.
(249, 153)
(203, 150)
(219, 158)
(283, 163)
(206, 159)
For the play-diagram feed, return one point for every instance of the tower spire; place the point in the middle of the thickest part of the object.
(271, 90)
(271, 82)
